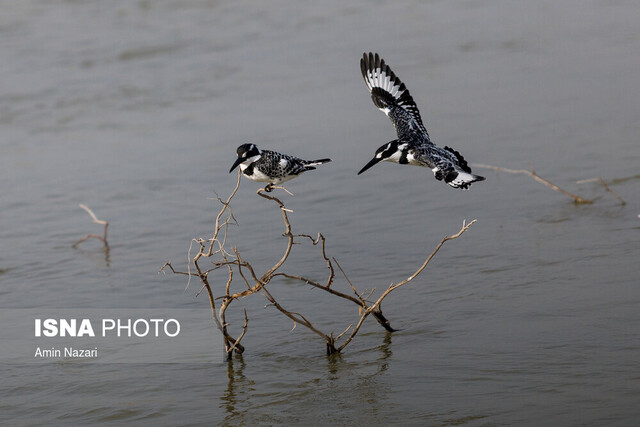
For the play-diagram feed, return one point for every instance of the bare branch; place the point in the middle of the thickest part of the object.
(173, 270)
(287, 233)
(236, 344)
(393, 287)
(606, 187)
(219, 256)
(319, 286)
(93, 216)
(343, 332)
(363, 303)
(625, 179)
(225, 207)
(534, 175)
(270, 187)
(95, 219)
(613, 193)
(296, 317)
(321, 239)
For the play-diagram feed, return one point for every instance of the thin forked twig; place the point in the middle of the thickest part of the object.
(353, 288)
(606, 187)
(534, 175)
(236, 344)
(393, 287)
(95, 219)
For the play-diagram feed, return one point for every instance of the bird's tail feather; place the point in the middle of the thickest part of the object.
(316, 162)
(462, 179)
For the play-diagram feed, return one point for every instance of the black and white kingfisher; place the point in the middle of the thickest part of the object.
(270, 166)
(413, 146)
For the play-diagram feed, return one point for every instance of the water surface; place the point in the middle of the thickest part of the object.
(136, 108)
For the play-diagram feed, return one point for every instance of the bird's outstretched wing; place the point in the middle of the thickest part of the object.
(392, 97)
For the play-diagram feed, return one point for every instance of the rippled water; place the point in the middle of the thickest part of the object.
(136, 108)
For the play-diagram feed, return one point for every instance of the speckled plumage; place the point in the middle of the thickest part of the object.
(413, 146)
(270, 166)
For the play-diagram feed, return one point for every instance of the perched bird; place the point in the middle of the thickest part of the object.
(270, 166)
(413, 146)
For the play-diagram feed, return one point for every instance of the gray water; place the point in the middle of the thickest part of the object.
(136, 108)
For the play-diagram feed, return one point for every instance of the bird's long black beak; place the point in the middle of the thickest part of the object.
(235, 164)
(368, 165)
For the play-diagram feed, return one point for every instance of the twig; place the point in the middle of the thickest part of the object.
(236, 344)
(225, 224)
(353, 288)
(315, 241)
(377, 314)
(613, 193)
(393, 287)
(269, 188)
(606, 187)
(296, 317)
(95, 219)
(343, 332)
(287, 233)
(534, 175)
(625, 179)
(319, 286)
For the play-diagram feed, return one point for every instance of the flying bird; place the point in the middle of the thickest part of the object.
(270, 166)
(413, 146)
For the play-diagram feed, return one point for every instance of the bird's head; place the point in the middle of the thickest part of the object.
(247, 153)
(389, 152)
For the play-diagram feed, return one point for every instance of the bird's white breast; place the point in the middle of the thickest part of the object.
(256, 175)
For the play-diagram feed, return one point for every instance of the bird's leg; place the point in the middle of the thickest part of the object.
(268, 188)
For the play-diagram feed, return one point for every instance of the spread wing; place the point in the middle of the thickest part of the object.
(392, 97)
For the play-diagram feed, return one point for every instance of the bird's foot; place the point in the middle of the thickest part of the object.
(270, 187)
